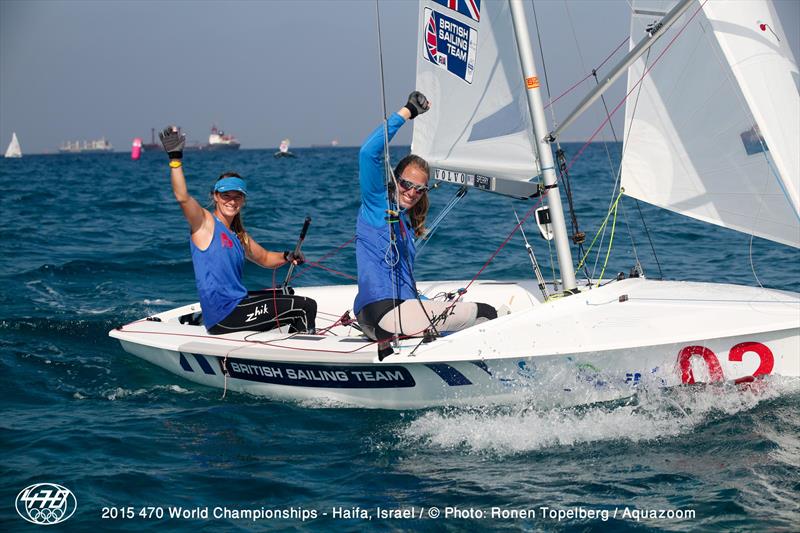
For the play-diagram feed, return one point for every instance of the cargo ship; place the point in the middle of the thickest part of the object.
(86, 147)
(218, 140)
(152, 146)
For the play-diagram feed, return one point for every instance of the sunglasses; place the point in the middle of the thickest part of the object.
(404, 183)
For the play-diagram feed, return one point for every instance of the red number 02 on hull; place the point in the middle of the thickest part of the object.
(715, 369)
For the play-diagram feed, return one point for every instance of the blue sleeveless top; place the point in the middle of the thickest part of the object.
(218, 273)
(383, 273)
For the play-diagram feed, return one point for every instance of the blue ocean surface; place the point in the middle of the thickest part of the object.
(90, 242)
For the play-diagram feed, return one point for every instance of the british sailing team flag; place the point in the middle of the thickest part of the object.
(450, 44)
(469, 8)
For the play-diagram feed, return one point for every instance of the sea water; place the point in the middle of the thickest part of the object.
(90, 242)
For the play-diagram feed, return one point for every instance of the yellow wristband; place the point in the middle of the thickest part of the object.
(175, 163)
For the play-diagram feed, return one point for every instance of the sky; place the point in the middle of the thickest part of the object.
(261, 70)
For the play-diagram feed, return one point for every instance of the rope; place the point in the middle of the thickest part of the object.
(391, 249)
(611, 239)
(544, 64)
(320, 260)
(624, 99)
(573, 87)
(342, 274)
(513, 231)
(611, 211)
(534, 263)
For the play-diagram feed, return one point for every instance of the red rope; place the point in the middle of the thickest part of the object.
(625, 98)
(513, 231)
(333, 271)
(326, 256)
(275, 297)
(243, 341)
(588, 75)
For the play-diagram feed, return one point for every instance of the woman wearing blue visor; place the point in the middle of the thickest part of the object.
(219, 245)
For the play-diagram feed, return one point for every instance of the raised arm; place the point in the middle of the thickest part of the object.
(174, 141)
(370, 161)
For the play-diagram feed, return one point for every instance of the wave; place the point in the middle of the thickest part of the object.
(650, 414)
(87, 267)
(120, 393)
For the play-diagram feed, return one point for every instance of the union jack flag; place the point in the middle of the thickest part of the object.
(470, 8)
(430, 39)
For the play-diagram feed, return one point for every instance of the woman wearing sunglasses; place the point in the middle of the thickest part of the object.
(219, 243)
(387, 303)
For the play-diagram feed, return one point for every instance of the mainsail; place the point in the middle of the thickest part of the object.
(478, 131)
(713, 130)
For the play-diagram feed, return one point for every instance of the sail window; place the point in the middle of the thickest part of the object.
(753, 142)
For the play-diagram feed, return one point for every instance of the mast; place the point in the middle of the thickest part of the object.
(540, 131)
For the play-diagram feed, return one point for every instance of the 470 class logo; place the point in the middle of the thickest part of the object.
(46, 504)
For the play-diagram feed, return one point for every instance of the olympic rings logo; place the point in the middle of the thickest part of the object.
(46, 504)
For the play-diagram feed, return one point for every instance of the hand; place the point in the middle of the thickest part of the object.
(294, 257)
(173, 141)
(417, 104)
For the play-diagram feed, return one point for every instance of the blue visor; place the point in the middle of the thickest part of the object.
(231, 184)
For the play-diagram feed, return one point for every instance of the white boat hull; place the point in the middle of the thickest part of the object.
(598, 345)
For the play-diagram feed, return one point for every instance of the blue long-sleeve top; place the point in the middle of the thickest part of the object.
(383, 271)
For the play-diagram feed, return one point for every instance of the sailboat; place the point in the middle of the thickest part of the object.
(14, 149)
(283, 149)
(716, 132)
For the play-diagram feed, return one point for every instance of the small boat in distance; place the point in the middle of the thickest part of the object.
(86, 147)
(218, 140)
(13, 149)
(283, 149)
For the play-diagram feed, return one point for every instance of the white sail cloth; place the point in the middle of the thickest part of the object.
(713, 132)
(13, 149)
(479, 124)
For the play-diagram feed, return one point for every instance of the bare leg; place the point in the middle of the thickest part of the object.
(412, 318)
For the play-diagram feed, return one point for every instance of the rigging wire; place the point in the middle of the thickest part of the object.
(619, 178)
(534, 263)
(752, 264)
(562, 176)
(601, 231)
(460, 193)
(637, 85)
(544, 65)
(614, 170)
(392, 255)
(624, 98)
(579, 82)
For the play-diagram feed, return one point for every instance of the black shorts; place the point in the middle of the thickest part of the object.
(371, 314)
(269, 309)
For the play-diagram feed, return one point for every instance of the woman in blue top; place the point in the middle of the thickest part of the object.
(219, 244)
(387, 303)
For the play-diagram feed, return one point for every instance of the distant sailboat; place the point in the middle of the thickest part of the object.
(13, 149)
(283, 149)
